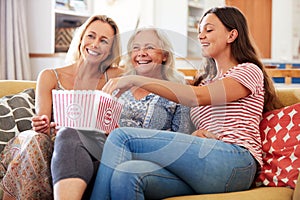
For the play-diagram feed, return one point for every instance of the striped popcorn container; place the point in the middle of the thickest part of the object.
(86, 109)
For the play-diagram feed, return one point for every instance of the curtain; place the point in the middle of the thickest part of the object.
(14, 51)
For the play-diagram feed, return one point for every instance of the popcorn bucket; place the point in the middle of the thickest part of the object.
(86, 109)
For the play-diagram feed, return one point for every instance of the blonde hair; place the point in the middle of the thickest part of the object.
(169, 71)
(74, 54)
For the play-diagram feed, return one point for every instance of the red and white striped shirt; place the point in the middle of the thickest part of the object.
(237, 122)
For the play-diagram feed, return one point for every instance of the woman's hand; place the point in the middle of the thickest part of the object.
(204, 134)
(53, 129)
(42, 124)
(117, 86)
(107, 133)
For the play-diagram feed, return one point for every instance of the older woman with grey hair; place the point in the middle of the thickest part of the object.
(150, 54)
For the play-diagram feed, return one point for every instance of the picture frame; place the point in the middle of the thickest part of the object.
(75, 5)
(78, 5)
(62, 4)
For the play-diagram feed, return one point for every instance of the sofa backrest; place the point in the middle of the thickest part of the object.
(8, 87)
(288, 96)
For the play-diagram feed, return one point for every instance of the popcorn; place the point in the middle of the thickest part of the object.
(86, 109)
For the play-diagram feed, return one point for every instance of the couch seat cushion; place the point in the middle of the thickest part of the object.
(262, 193)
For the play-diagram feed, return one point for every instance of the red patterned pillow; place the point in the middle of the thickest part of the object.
(280, 134)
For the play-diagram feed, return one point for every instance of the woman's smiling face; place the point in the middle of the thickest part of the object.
(147, 54)
(96, 42)
(213, 36)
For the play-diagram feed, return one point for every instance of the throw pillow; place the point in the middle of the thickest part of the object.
(15, 115)
(280, 134)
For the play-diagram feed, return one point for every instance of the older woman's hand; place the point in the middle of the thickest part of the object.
(204, 134)
(117, 86)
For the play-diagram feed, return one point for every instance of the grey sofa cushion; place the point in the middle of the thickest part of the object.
(15, 114)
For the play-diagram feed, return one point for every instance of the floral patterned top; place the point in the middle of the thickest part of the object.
(155, 112)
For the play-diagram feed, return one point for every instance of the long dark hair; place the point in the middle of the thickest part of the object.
(243, 50)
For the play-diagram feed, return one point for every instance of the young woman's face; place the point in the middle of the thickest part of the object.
(97, 42)
(213, 36)
(147, 54)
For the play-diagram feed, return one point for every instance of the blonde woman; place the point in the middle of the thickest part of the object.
(93, 55)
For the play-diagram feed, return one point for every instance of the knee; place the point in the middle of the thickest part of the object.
(133, 170)
(66, 138)
(31, 137)
(121, 134)
(65, 133)
(124, 174)
(116, 132)
(30, 134)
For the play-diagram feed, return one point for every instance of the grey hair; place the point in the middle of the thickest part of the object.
(169, 71)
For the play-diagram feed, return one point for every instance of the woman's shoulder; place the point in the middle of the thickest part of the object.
(50, 75)
(249, 75)
(46, 79)
(248, 66)
(46, 73)
(245, 69)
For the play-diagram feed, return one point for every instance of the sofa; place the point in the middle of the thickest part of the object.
(263, 189)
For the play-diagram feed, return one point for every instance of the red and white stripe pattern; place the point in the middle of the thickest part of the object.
(237, 122)
(85, 109)
(108, 115)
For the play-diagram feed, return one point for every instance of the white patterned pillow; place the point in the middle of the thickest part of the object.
(15, 115)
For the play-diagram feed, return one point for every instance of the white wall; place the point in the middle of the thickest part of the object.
(296, 30)
(127, 14)
(281, 29)
(124, 12)
(169, 15)
(172, 15)
(38, 64)
(44, 25)
(285, 30)
(213, 3)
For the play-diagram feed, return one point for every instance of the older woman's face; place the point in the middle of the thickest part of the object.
(147, 54)
(97, 42)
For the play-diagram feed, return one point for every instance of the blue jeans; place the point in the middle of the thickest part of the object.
(151, 164)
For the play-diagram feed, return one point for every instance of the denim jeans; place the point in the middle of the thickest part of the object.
(152, 164)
